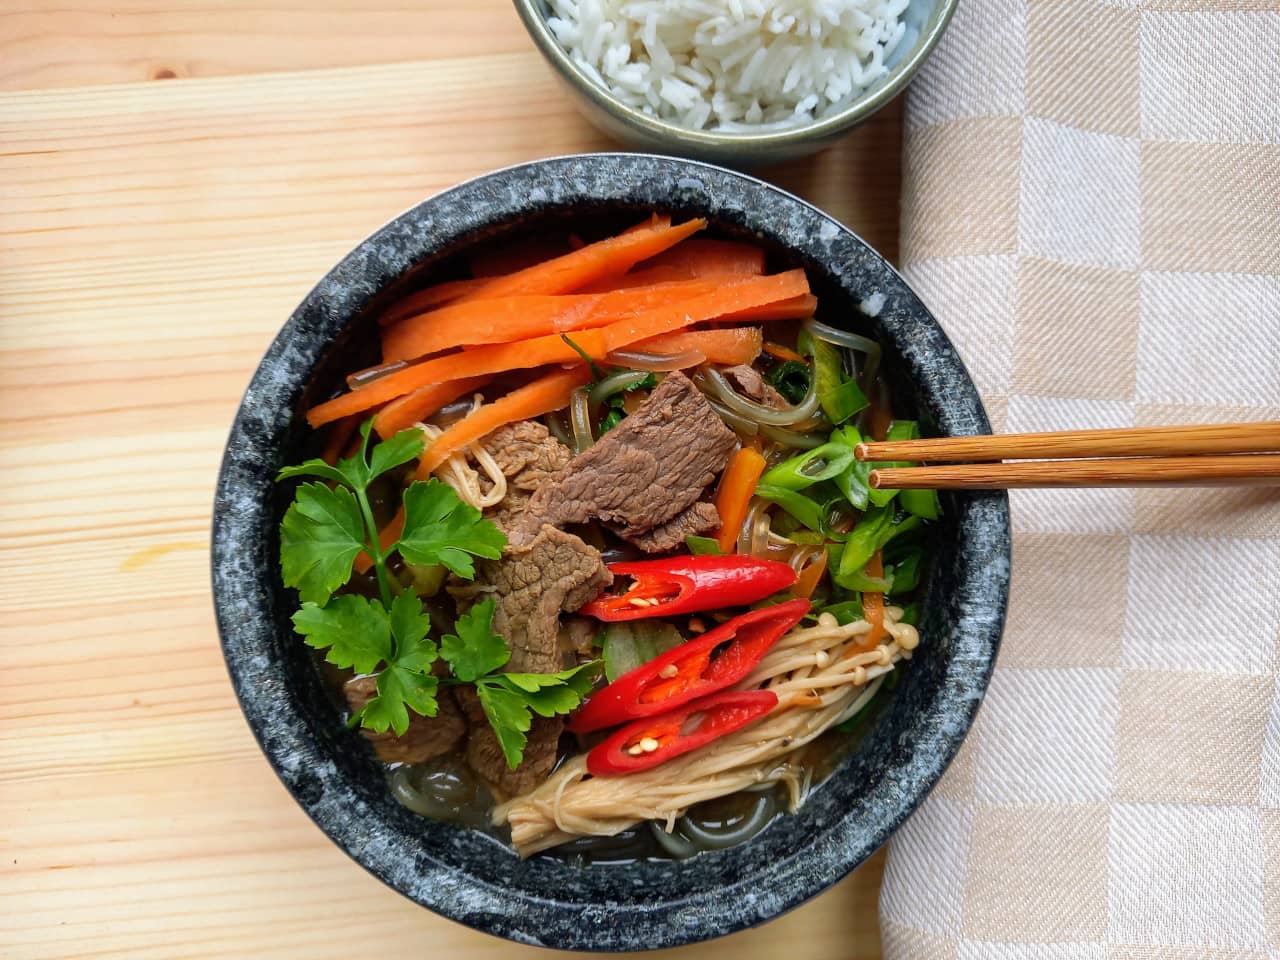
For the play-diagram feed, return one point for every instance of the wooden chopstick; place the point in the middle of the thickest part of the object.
(1073, 444)
(1244, 469)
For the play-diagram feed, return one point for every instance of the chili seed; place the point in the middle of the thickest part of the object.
(696, 625)
(648, 744)
(636, 750)
(669, 671)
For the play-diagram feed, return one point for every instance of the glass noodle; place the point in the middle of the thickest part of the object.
(580, 420)
(792, 439)
(614, 383)
(715, 383)
(744, 426)
(657, 362)
(850, 341)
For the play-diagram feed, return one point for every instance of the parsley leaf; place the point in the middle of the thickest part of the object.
(406, 682)
(355, 629)
(390, 453)
(440, 528)
(322, 533)
(399, 689)
(511, 699)
(409, 625)
(363, 467)
(353, 471)
(313, 468)
(551, 694)
(475, 649)
(320, 537)
(509, 717)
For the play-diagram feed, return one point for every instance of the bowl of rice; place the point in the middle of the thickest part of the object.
(743, 82)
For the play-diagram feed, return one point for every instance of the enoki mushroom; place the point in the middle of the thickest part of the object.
(458, 472)
(821, 674)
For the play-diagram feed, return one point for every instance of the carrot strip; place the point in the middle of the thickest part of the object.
(604, 258)
(733, 499)
(498, 358)
(477, 362)
(638, 278)
(779, 352)
(810, 576)
(704, 257)
(796, 308)
(729, 298)
(532, 400)
(730, 345)
(404, 413)
(423, 300)
(873, 606)
(504, 319)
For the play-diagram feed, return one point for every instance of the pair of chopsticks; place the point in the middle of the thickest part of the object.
(1233, 454)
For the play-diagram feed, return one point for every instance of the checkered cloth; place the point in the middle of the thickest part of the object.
(1092, 209)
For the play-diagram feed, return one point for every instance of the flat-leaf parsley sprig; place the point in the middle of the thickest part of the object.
(327, 527)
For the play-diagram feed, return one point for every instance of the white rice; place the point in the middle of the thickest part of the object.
(731, 65)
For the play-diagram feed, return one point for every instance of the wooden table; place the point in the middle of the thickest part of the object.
(173, 178)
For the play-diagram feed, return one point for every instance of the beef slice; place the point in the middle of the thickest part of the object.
(643, 473)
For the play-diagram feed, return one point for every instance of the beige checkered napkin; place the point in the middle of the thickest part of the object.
(1092, 208)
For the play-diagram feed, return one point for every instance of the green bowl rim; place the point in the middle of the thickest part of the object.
(861, 108)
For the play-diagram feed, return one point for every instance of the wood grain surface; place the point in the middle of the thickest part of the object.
(173, 178)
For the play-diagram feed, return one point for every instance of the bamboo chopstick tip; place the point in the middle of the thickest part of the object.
(873, 478)
(861, 452)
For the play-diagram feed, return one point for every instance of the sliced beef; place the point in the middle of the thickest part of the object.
(426, 738)
(484, 754)
(527, 454)
(644, 472)
(694, 521)
(749, 381)
(531, 584)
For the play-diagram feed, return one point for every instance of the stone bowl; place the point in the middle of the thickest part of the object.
(466, 875)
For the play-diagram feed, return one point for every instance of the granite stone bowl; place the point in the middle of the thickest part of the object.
(463, 874)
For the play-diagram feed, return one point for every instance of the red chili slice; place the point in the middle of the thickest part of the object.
(677, 732)
(687, 584)
(698, 667)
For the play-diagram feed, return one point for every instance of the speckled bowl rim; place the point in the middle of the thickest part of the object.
(848, 116)
(247, 603)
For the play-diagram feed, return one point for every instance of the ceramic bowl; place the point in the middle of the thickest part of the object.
(925, 21)
(466, 875)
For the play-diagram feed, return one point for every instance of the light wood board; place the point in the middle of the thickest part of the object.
(173, 178)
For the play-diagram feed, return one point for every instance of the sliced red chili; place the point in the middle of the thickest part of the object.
(688, 584)
(647, 743)
(713, 661)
